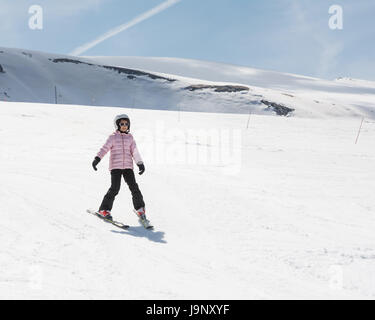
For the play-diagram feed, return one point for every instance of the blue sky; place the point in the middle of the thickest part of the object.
(282, 35)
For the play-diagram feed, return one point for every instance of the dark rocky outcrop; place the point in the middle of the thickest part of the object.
(137, 73)
(130, 72)
(69, 61)
(280, 109)
(288, 95)
(27, 54)
(226, 88)
(1, 69)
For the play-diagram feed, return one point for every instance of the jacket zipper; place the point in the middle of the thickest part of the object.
(123, 152)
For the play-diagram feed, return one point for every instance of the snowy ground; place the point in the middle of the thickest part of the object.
(285, 210)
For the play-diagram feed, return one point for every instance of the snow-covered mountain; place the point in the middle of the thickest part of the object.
(176, 84)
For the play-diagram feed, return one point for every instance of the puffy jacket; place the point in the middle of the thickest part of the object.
(123, 150)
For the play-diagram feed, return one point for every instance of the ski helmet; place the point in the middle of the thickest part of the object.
(117, 119)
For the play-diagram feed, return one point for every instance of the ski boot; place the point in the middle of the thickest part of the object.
(141, 213)
(105, 214)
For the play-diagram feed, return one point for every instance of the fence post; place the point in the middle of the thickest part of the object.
(248, 120)
(359, 130)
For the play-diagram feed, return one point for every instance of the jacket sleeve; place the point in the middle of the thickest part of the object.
(135, 153)
(106, 147)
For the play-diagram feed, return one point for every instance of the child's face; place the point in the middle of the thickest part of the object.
(124, 124)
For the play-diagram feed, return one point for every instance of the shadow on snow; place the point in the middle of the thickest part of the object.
(141, 232)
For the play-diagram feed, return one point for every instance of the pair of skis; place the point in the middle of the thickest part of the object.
(144, 222)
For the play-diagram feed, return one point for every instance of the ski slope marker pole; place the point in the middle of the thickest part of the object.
(359, 130)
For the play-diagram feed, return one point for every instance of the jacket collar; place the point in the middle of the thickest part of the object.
(119, 132)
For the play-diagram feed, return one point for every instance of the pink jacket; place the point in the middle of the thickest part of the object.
(123, 151)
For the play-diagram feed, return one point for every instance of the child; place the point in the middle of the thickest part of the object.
(123, 150)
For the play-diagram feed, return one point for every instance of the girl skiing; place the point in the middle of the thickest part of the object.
(123, 150)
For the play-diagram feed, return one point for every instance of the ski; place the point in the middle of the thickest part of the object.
(115, 223)
(144, 222)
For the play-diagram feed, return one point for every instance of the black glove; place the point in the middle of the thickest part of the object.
(141, 167)
(95, 163)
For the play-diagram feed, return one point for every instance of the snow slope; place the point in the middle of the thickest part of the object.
(176, 84)
(283, 209)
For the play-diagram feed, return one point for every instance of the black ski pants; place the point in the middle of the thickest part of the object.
(129, 178)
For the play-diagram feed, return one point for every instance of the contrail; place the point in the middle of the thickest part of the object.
(144, 16)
